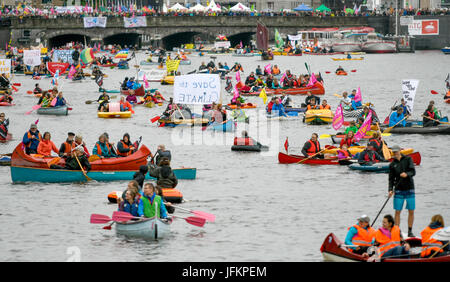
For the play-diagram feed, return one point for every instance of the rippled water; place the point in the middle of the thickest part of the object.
(265, 211)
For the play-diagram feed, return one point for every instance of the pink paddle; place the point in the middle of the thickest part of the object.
(99, 218)
(35, 107)
(209, 217)
(53, 103)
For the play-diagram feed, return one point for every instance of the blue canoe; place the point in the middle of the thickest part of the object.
(410, 123)
(225, 126)
(5, 160)
(378, 167)
(28, 174)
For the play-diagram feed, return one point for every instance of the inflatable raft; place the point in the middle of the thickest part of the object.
(126, 114)
(318, 117)
(376, 167)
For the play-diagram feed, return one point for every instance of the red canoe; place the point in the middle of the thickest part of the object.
(131, 162)
(316, 89)
(332, 251)
(292, 159)
(138, 92)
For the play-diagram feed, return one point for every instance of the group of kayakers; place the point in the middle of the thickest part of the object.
(54, 98)
(400, 114)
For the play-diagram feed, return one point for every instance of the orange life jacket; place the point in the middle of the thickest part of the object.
(29, 136)
(327, 107)
(387, 243)
(314, 148)
(99, 149)
(429, 245)
(125, 146)
(275, 70)
(68, 147)
(315, 107)
(363, 237)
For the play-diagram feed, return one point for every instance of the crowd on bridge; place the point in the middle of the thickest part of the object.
(23, 11)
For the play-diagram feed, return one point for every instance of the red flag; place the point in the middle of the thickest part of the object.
(286, 145)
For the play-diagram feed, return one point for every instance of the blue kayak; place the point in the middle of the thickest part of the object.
(377, 167)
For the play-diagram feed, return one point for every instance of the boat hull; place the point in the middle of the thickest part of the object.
(21, 174)
(378, 167)
(318, 117)
(379, 47)
(151, 228)
(126, 114)
(138, 92)
(421, 130)
(226, 126)
(316, 89)
(57, 111)
(346, 47)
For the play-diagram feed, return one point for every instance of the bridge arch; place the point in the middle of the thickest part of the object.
(245, 37)
(63, 39)
(123, 38)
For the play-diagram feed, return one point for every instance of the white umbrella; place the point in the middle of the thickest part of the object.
(442, 235)
(197, 8)
(177, 7)
(239, 8)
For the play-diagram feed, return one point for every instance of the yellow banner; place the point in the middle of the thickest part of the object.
(172, 65)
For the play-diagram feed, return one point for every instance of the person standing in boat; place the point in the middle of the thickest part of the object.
(163, 173)
(360, 235)
(431, 245)
(389, 239)
(148, 201)
(31, 140)
(401, 185)
(312, 147)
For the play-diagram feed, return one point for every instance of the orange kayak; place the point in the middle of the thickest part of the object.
(341, 73)
(243, 106)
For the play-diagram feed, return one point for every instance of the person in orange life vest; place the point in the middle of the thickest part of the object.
(312, 106)
(369, 156)
(360, 235)
(376, 142)
(66, 148)
(79, 142)
(344, 154)
(429, 244)
(275, 70)
(125, 105)
(102, 148)
(31, 140)
(124, 146)
(312, 147)
(111, 145)
(389, 239)
(325, 106)
(46, 146)
(348, 140)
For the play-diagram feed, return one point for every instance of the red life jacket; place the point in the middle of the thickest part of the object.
(371, 158)
(314, 148)
(349, 142)
(247, 141)
(431, 115)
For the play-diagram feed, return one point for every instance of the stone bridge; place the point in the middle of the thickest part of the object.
(170, 31)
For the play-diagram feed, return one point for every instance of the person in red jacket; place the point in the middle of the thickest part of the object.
(348, 140)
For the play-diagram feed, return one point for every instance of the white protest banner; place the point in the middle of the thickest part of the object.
(153, 75)
(90, 22)
(134, 22)
(222, 44)
(196, 89)
(5, 67)
(63, 55)
(32, 57)
(295, 37)
(424, 27)
(409, 87)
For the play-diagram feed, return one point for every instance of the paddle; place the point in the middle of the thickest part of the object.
(323, 136)
(436, 120)
(384, 148)
(437, 251)
(389, 196)
(312, 156)
(209, 217)
(35, 107)
(386, 120)
(99, 219)
(353, 70)
(434, 92)
(153, 120)
(337, 95)
(197, 221)
(387, 130)
(84, 173)
(124, 216)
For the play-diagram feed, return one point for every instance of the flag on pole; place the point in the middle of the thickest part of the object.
(263, 95)
(358, 96)
(236, 94)
(286, 145)
(312, 80)
(338, 119)
(238, 76)
(146, 81)
(279, 42)
(364, 128)
(268, 69)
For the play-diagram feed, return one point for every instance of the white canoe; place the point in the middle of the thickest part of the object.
(148, 228)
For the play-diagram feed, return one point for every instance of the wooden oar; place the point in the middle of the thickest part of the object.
(387, 130)
(437, 251)
(99, 218)
(84, 173)
(384, 148)
(312, 156)
(436, 120)
(323, 136)
(337, 95)
(209, 217)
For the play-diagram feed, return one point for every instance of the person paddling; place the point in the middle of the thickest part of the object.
(312, 147)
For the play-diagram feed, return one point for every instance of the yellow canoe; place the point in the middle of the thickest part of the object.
(168, 79)
(126, 114)
(318, 117)
(345, 59)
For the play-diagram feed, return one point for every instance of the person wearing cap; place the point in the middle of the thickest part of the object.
(360, 235)
(401, 185)
(31, 140)
(66, 148)
(369, 156)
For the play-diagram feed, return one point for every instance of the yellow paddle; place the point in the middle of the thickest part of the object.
(337, 95)
(436, 120)
(84, 172)
(311, 156)
(387, 130)
(384, 148)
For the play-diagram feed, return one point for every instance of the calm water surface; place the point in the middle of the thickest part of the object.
(265, 211)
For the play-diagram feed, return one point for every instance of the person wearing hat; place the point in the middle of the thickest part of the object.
(31, 140)
(360, 235)
(401, 186)
(66, 148)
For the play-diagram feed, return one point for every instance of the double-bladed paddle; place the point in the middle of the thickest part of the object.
(207, 216)
(124, 216)
(99, 218)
